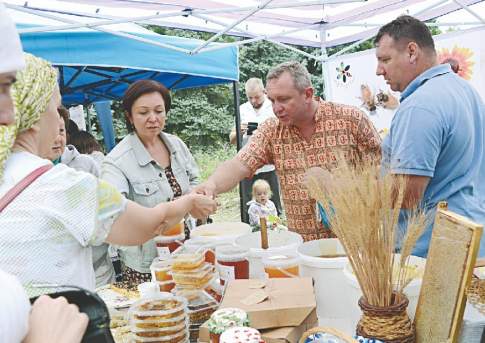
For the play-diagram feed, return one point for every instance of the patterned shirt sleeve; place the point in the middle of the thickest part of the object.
(368, 139)
(111, 204)
(257, 152)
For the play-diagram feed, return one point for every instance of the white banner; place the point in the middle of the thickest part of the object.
(353, 77)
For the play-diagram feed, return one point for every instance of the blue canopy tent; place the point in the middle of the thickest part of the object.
(98, 64)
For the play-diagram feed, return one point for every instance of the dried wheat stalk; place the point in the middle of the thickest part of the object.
(364, 208)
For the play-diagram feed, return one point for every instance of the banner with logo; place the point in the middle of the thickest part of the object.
(353, 79)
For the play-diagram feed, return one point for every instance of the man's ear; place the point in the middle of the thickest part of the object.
(413, 51)
(309, 92)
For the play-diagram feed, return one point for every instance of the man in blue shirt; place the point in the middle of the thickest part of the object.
(437, 135)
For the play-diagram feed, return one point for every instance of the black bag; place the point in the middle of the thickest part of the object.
(98, 330)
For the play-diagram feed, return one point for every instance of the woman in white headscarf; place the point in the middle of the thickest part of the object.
(48, 229)
(48, 320)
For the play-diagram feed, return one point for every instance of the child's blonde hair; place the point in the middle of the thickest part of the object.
(261, 184)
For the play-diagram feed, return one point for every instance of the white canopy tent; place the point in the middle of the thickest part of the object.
(316, 23)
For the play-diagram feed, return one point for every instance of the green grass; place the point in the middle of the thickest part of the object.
(208, 160)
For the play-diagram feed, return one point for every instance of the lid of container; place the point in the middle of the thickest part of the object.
(160, 265)
(178, 327)
(192, 287)
(221, 230)
(155, 321)
(230, 253)
(196, 299)
(241, 335)
(179, 337)
(226, 318)
(202, 270)
(280, 261)
(161, 305)
(187, 259)
(169, 239)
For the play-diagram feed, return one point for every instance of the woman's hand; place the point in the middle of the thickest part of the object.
(202, 205)
(55, 320)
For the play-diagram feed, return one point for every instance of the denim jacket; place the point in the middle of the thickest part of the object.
(131, 169)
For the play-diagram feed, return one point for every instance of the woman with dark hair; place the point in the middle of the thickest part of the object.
(86, 144)
(148, 166)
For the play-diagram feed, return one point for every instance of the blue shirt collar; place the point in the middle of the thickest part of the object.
(437, 70)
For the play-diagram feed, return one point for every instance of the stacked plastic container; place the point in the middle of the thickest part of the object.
(192, 275)
(162, 319)
(200, 307)
(190, 271)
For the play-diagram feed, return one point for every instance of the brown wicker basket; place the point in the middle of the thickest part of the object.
(390, 324)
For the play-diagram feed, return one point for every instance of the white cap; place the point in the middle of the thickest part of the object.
(11, 55)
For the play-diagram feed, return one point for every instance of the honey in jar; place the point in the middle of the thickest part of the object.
(232, 263)
(168, 244)
(281, 266)
(175, 230)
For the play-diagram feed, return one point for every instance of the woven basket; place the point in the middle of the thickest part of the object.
(390, 324)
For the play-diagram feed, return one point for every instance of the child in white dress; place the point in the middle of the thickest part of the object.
(261, 205)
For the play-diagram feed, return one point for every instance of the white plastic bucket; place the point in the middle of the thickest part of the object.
(220, 233)
(279, 242)
(411, 290)
(329, 282)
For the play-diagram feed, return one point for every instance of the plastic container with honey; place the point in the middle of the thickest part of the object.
(199, 244)
(200, 305)
(161, 270)
(180, 337)
(281, 266)
(166, 286)
(158, 309)
(232, 263)
(175, 230)
(168, 244)
(196, 277)
(159, 332)
(187, 261)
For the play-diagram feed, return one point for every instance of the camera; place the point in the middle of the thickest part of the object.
(251, 127)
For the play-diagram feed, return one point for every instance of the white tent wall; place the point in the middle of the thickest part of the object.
(466, 46)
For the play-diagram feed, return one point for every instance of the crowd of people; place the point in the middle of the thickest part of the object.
(63, 203)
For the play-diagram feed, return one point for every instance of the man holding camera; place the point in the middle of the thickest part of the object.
(307, 132)
(257, 109)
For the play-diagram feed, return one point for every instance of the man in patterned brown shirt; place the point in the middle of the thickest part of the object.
(308, 132)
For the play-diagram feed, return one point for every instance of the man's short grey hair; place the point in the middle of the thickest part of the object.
(254, 84)
(299, 74)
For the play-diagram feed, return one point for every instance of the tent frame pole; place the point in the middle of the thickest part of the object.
(237, 117)
(469, 10)
(230, 26)
(114, 33)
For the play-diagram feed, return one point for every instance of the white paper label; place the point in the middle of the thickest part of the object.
(163, 253)
(226, 272)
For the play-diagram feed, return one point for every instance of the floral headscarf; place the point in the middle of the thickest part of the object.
(31, 94)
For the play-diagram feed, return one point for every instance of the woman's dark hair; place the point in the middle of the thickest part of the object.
(64, 113)
(84, 142)
(405, 29)
(142, 87)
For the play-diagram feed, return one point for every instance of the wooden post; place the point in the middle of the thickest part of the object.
(264, 233)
